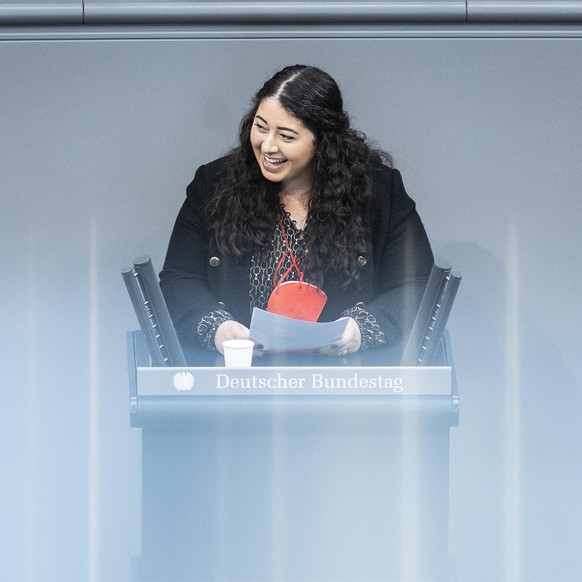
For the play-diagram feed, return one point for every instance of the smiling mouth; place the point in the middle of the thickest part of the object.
(274, 161)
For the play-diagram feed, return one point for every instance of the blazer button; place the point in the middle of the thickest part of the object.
(214, 261)
(362, 261)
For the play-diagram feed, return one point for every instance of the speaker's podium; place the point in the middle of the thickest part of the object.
(294, 469)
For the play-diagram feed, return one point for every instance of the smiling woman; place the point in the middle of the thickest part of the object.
(284, 148)
(303, 198)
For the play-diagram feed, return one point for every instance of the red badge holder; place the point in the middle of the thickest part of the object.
(298, 300)
(295, 299)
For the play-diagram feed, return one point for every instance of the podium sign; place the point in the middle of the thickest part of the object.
(294, 381)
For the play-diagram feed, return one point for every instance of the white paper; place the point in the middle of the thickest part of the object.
(277, 333)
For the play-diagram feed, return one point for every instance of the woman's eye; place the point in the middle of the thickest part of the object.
(260, 127)
(286, 137)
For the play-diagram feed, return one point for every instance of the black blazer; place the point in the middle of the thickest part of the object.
(197, 279)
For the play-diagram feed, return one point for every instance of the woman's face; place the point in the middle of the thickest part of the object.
(283, 146)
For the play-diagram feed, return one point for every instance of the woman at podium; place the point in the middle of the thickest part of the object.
(303, 216)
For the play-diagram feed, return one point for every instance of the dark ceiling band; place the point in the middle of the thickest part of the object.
(322, 12)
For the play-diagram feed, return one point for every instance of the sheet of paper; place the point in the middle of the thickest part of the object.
(284, 334)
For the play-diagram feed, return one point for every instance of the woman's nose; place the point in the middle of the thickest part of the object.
(269, 144)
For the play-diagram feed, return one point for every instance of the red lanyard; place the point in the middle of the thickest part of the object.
(289, 253)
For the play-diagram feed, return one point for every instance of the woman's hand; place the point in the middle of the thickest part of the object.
(229, 330)
(349, 343)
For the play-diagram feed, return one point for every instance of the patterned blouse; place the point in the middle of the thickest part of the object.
(265, 267)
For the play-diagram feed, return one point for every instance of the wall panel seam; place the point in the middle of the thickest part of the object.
(251, 33)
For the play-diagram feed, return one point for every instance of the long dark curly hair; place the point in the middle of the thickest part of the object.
(243, 210)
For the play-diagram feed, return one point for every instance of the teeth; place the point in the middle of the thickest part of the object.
(274, 160)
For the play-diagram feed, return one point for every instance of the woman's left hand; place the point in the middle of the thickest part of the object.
(349, 342)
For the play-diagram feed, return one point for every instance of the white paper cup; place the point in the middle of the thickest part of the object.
(238, 353)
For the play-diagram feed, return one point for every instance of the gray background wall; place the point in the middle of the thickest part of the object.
(100, 132)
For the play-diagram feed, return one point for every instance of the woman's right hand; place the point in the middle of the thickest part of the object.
(229, 330)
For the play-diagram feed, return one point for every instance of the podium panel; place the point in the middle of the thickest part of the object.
(342, 476)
